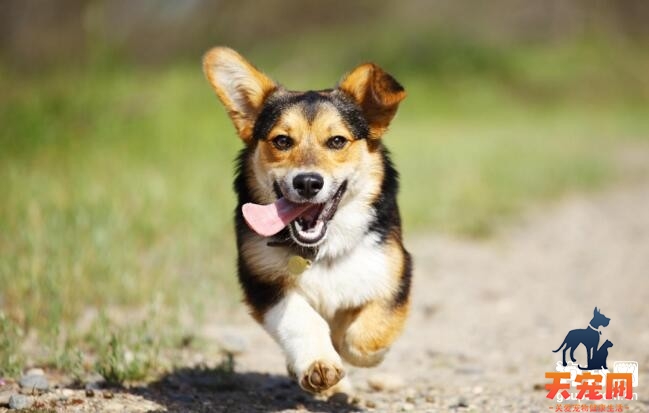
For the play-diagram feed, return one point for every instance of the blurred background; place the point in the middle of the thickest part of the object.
(116, 159)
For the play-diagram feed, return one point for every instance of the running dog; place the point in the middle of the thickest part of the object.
(320, 255)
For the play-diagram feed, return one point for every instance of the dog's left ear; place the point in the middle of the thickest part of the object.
(240, 86)
(377, 93)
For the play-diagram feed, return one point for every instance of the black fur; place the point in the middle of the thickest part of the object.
(270, 113)
(261, 295)
(391, 84)
(351, 114)
(240, 187)
(280, 101)
(403, 292)
(310, 104)
(386, 210)
(387, 221)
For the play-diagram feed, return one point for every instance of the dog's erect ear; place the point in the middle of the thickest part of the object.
(376, 92)
(596, 311)
(240, 86)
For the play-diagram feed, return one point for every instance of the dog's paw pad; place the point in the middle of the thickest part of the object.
(320, 376)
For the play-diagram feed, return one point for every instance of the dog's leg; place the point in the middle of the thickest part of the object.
(363, 336)
(572, 354)
(305, 339)
(564, 356)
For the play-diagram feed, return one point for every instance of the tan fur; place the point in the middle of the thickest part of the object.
(240, 86)
(377, 93)
(363, 335)
(310, 141)
(373, 329)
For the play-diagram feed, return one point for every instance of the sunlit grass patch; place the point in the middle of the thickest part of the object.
(470, 177)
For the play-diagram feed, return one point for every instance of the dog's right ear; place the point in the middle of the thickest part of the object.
(595, 311)
(240, 86)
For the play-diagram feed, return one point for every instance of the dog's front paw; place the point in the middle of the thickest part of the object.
(320, 376)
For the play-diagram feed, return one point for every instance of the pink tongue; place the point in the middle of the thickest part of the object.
(267, 220)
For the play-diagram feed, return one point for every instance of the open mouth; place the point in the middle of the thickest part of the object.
(310, 227)
(307, 222)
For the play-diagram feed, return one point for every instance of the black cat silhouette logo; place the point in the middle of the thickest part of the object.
(598, 361)
(589, 337)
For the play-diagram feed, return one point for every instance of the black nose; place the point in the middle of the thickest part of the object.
(308, 185)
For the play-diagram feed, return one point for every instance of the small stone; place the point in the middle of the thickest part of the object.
(35, 372)
(385, 382)
(408, 407)
(19, 401)
(339, 398)
(538, 387)
(34, 382)
(370, 404)
(410, 399)
(108, 395)
(90, 393)
(430, 399)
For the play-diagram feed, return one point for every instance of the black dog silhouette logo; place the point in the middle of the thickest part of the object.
(571, 382)
(589, 337)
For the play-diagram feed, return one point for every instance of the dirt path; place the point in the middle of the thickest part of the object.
(486, 315)
(485, 318)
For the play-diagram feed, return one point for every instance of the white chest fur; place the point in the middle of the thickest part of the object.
(349, 280)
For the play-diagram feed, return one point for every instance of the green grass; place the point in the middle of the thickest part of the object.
(116, 186)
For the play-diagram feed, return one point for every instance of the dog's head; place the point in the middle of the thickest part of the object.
(599, 319)
(314, 147)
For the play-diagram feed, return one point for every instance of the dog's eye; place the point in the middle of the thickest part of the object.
(282, 142)
(336, 142)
